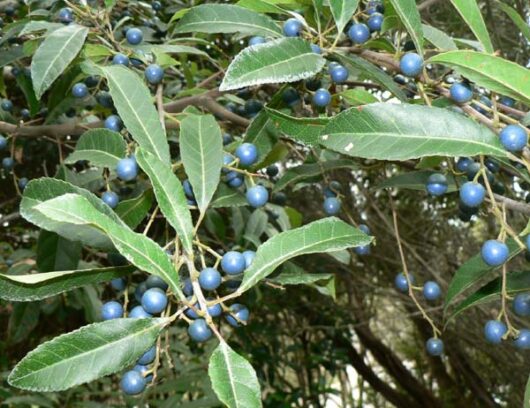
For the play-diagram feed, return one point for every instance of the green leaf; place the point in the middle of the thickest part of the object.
(386, 131)
(170, 196)
(170, 49)
(201, 148)
(101, 147)
(226, 18)
(472, 271)
(303, 130)
(308, 171)
(25, 84)
(137, 248)
(516, 18)
(416, 180)
(277, 61)
(55, 253)
(35, 286)
(43, 189)
(527, 394)
(342, 12)
(408, 13)
(438, 38)
(134, 104)
(54, 54)
(470, 12)
(292, 274)
(372, 72)
(325, 235)
(233, 378)
(516, 282)
(36, 26)
(86, 354)
(133, 211)
(22, 320)
(495, 73)
(228, 197)
(358, 96)
(261, 6)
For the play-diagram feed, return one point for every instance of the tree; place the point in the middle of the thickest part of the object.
(268, 203)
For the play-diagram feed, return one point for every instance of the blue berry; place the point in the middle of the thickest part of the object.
(431, 290)
(148, 357)
(154, 300)
(339, 74)
(66, 15)
(437, 184)
(247, 153)
(188, 287)
(111, 310)
(472, 194)
(240, 311)
(215, 310)
(234, 179)
(91, 81)
(249, 257)
(514, 138)
(364, 228)
(359, 33)
(256, 40)
(7, 105)
(362, 250)
(79, 90)
(138, 312)
(523, 339)
(331, 205)
(22, 183)
(127, 169)
(460, 93)
(110, 198)
(134, 36)
(435, 347)
(25, 113)
(199, 331)
(411, 64)
(227, 139)
(233, 263)
(118, 284)
(494, 252)
(8, 163)
(257, 196)
(507, 101)
(104, 99)
(292, 27)
(143, 369)
(375, 22)
(139, 291)
(120, 59)
(494, 330)
(210, 279)
(114, 123)
(228, 159)
(521, 304)
(154, 74)
(322, 97)
(133, 383)
(316, 49)
(401, 282)
(154, 281)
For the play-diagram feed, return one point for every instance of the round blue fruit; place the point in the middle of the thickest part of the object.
(210, 279)
(431, 290)
(8, 163)
(3, 142)
(247, 153)
(7, 105)
(127, 169)
(364, 228)
(120, 59)
(134, 36)
(199, 330)
(331, 205)
(118, 284)
(435, 346)
(154, 74)
(133, 383)
(148, 357)
(257, 196)
(507, 101)
(494, 252)
(111, 310)
(321, 98)
(188, 189)
(104, 99)
(362, 250)
(292, 27)
(494, 330)
(460, 93)
(523, 339)
(188, 287)
(215, 310)
(110, 198)
(233, 263)
(437, 184)
(23, 182)
(316, 49)
(401, 282)
(66, 15)
(154, 281)
(139, 291)
(240, 312)
(79, 90)
(114, 123)
(227, 139)
(249, 257)
(25, 113)
(411, 64)
(514, 138)
(339, 74)
(143, 369)
(359, 33)
(154, 300)
(521, 304)
(472, 194)
(256, 40)
(138, 312)
(375, 22)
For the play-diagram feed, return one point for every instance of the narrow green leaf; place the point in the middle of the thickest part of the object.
(170, 49)
(35, 286)
(328, 234)
(358, 96)
(86, 354)
(55, 253)
(408, 13)
(438, 38)
(516, 18)
(101, 147)
(133, 211)
(342, 12)
(233, 378)
(527, 394)
(292, 274)
(226, 18)
(54, 54)
(170, 196)
(228, 197)
(36, 26)
(470, 12)
(277, 61)
(495, 73)
(201, 148)
(25, 84)
(303, 130)
(137, 248)
(22, 320)
(386, 131)
(134, 104)
(416, 180)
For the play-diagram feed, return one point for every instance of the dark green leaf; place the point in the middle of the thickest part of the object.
(409, 15)
(303, 130)
(416, 180)
(342, 12)
(22, 320)
(101, 147)
(55, 253)
(133, 211)
(470, 12)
